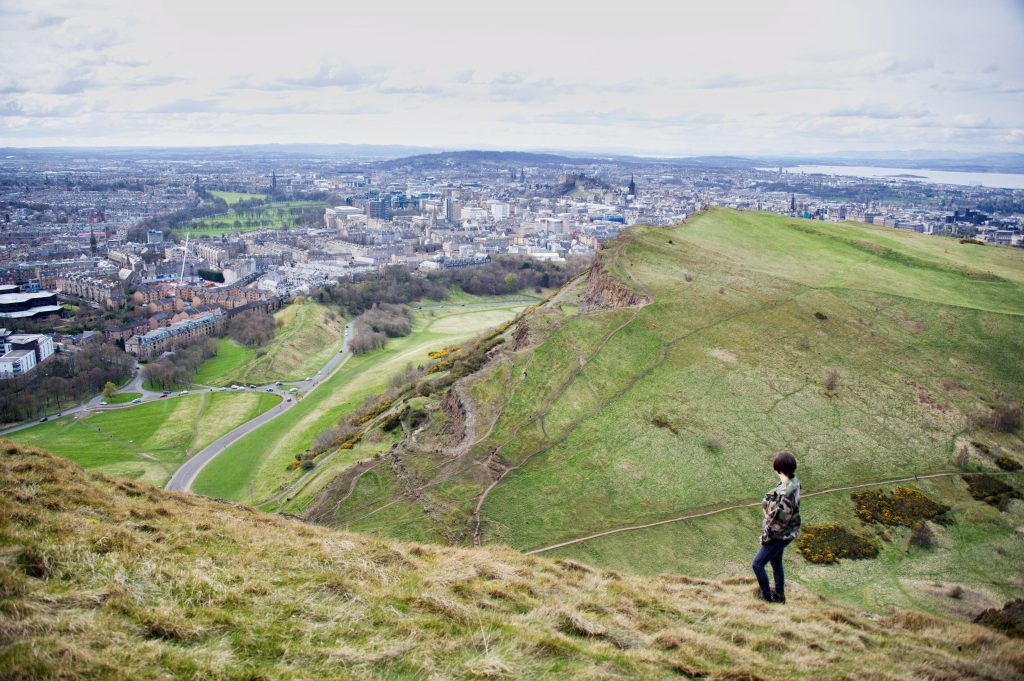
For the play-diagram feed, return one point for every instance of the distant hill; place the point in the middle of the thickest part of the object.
(102, 578)
(479, 157)
(1007, 162)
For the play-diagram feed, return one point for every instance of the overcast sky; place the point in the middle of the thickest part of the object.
(703, 78)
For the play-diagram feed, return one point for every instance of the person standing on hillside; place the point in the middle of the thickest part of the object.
(781, 525)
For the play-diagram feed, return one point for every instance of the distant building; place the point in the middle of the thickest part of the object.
(39, 344)
(500, 211)
(106, 292)
(155, 237)
(21, 353)
(16, 363)
(28, 305)
(158, 341)
(378, 209)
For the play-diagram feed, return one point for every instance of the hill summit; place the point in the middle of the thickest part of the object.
(112, 579)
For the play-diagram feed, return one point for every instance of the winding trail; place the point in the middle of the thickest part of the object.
(724, 509)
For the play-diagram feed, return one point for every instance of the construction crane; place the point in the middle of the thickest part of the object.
(183, 256)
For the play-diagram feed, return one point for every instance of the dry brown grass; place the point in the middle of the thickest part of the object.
(111, 579)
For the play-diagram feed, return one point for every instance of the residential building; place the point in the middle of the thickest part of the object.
(156, 342)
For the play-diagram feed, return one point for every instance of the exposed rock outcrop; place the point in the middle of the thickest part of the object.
(604, 290)
(521, 337)
(455, 421)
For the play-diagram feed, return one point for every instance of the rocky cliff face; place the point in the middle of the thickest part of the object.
(521, 337)
(455, 424)
(604, 290)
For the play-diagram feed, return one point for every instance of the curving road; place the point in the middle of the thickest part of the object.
(186, 474)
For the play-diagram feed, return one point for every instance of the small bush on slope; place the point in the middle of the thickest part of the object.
(112, 579)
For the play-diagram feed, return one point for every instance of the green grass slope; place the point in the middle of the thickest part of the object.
(308, 335)
(628, 415)
(148, 441)
(103, 578)
(257, 464)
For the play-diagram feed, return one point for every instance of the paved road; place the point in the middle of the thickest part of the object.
(185, 475)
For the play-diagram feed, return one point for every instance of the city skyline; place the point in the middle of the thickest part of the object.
(735, 79)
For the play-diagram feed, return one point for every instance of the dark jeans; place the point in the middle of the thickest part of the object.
(771, 553)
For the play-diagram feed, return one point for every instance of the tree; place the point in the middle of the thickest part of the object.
(109, 389)
(511, 283)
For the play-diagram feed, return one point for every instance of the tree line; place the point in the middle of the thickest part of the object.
(376, 325)
(63, 379)
(252, 329)
(177, 368)
(504, 274)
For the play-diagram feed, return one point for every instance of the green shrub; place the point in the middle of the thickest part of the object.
(904, 506)
(990, 490)
(826, 544)
(1008, 464)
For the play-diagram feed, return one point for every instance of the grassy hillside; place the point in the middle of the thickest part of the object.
(151, 440)
(112, 579)
(870, 353)
(308, 335)
(259, 461)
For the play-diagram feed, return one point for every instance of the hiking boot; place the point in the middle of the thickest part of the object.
(778, 597)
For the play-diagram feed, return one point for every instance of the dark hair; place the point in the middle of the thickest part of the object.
(785, 463)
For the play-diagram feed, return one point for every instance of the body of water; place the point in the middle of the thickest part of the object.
(970, 179)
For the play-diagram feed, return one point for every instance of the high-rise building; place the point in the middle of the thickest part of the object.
(379, 209)
(499, 211)
(452, 211)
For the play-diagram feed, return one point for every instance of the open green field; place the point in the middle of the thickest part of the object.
(148, 441)
(308, 335)
(121, 398)
(275, 215)
(259, 461)
(231, 198)
(636, 414)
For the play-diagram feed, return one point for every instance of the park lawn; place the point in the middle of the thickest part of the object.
(979, 551)
(275, 215)
(258, 462)
(231, 198)
(148, 441)
(121, 398)
(308, 335)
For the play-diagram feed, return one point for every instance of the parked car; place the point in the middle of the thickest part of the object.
(44, 419)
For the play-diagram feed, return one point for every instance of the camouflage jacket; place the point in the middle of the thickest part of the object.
(781, 512)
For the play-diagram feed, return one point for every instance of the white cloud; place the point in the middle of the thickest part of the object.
(724, 77)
